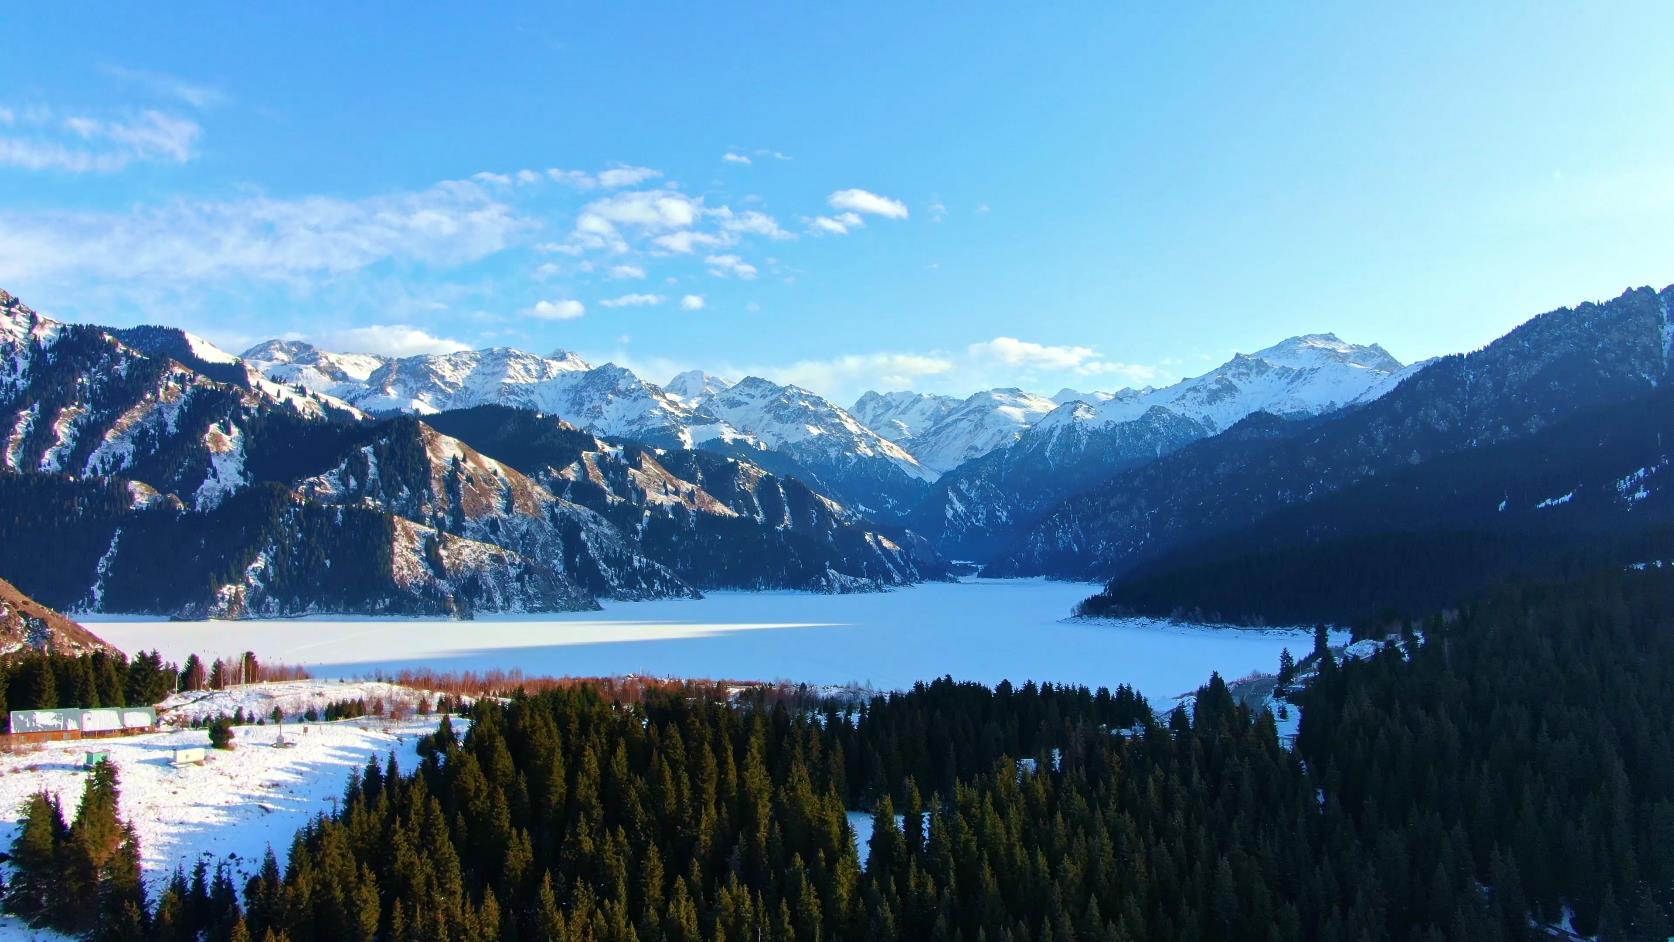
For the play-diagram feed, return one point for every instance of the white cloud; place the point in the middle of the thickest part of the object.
(685, 242)
(611, 178)
(724, 265)
(564, 309)
(260, 237)
(839, 375)
(623, 175)
(1026, 355)
(938, 211)
(1023, 353)
(840, 224)
(395, 340)
(602, 222)
(733, 158)
(634, 272)
(83, 144)
(171, 86)
(749, 222)
(865, 201)
(692, 302)
(634, 300)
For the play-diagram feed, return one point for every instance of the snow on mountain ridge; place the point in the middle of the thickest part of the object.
(694, 386)
(1310, 374)
(987, 420)
(901, 415)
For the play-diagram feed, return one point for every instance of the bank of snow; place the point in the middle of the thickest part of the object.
(235, 805)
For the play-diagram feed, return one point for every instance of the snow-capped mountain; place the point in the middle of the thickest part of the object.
(1556, 366)
(789, 430)
(1307, 375)
(944, 433)
(175, 478)
(607, 400)
(845, 458)
(302, 364)
(694, 386)
(1068, 395)
(903, 415)
(975, 509)
(83, 400)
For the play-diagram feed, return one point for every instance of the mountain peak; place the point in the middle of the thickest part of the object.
(695, 385)
(1313, 350)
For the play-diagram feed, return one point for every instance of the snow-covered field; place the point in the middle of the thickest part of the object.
(234, 806)
(984, 630)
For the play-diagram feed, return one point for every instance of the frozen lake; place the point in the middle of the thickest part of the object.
(983, 630)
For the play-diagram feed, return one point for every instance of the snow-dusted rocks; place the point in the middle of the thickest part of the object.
(26, 624)
(1553, 367)
(694, 386)
(976, 508)
(988, 420)
(902, 415)
(846, 459)
(1307, 375)
(83, 400)
(606, 400)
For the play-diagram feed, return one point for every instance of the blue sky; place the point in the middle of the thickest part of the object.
(939, 196)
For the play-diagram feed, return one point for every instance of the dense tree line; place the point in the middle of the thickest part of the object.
(1529, 743)
(40, 680)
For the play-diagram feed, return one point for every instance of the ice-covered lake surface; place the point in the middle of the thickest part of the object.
(983, 630)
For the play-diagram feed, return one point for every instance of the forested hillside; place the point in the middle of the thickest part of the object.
(1584, 492)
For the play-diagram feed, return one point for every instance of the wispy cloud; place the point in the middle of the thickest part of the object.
(611, 178)
(735, 158)
(730, 265)
(692, 302)
(395, 340)
(634, 300)
(840, 224)
(261, 237)
(633, 272)
(38, 139)
(196, 94)
(1029, 356)
(839, 375)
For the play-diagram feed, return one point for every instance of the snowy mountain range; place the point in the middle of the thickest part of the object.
(178, 479)
(943, 432)
(982, 504)
(1234, 489)
(785, 427)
